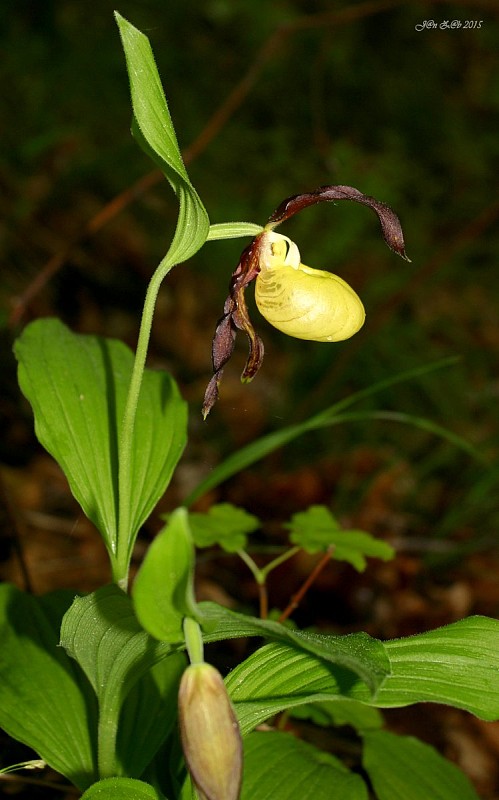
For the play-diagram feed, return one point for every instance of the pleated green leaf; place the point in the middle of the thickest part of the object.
(281, 767)
(457, 664)
(100, 631)
(279, 676)
(77, 386)
(404, 767)
(359, 654)
(148, 714)
(45, 700)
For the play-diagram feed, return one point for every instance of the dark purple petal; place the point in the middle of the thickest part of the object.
(236, 317)
(255, 357)
(211, 393)
(241, 320)
(223, 342)
(390, 223)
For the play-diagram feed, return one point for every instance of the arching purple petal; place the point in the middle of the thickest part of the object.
(390, 223)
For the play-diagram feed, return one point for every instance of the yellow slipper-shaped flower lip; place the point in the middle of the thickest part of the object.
(306, 303)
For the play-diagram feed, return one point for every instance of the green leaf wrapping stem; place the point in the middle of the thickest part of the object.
(295, 669)
(77, 386)
(358, 653)
(134, 677)
(118, 432)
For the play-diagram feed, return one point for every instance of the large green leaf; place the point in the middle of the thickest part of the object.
(359, 654)
(45, 700)
(122, 789)
(403, 767)
(102, 633)
(457, 664)
(442, 666)
(77, 386)
(281, 767)
(163, 591)
(279, 676)
(154, 131)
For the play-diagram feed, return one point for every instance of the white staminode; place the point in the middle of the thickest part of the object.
(278, 251)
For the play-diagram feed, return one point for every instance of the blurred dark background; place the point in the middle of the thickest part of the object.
(270, 99)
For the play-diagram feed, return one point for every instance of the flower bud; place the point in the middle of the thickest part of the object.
(210, 735)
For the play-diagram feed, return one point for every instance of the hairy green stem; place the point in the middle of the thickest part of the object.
(126, 536)
(107, 732)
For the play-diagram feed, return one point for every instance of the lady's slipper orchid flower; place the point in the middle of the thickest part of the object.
(297, 300)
